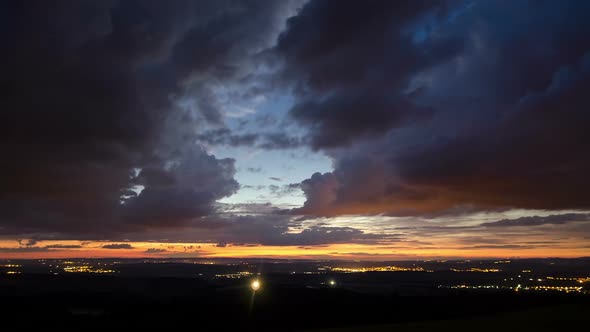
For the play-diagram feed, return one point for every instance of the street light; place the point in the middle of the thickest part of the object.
(255, 285)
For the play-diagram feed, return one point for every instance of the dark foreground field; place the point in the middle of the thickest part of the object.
(98, 302)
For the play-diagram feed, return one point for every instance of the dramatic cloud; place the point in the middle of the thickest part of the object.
(350, 67)
(104, 102)
(118, 246)
(181, 191)
(501, 100)
(134, 120)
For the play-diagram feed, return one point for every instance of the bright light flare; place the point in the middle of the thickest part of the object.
(255, 285)
(332, 283)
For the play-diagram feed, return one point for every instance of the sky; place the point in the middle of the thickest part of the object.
(320, 129)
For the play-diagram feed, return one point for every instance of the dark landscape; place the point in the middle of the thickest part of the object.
(295, 295)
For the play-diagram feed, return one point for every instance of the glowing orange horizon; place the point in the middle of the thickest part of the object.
(50, 249)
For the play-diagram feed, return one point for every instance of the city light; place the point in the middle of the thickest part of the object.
(475, 269)
(388, 268)
(520, 287)
(86, 269)
(237, 275)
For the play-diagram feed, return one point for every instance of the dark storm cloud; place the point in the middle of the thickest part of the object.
(185, 190)
(481, 104)
(118, 246)
(350, 61)
(557, 219)
(102, 96)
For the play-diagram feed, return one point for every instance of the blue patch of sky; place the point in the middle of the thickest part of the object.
(257, 167)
